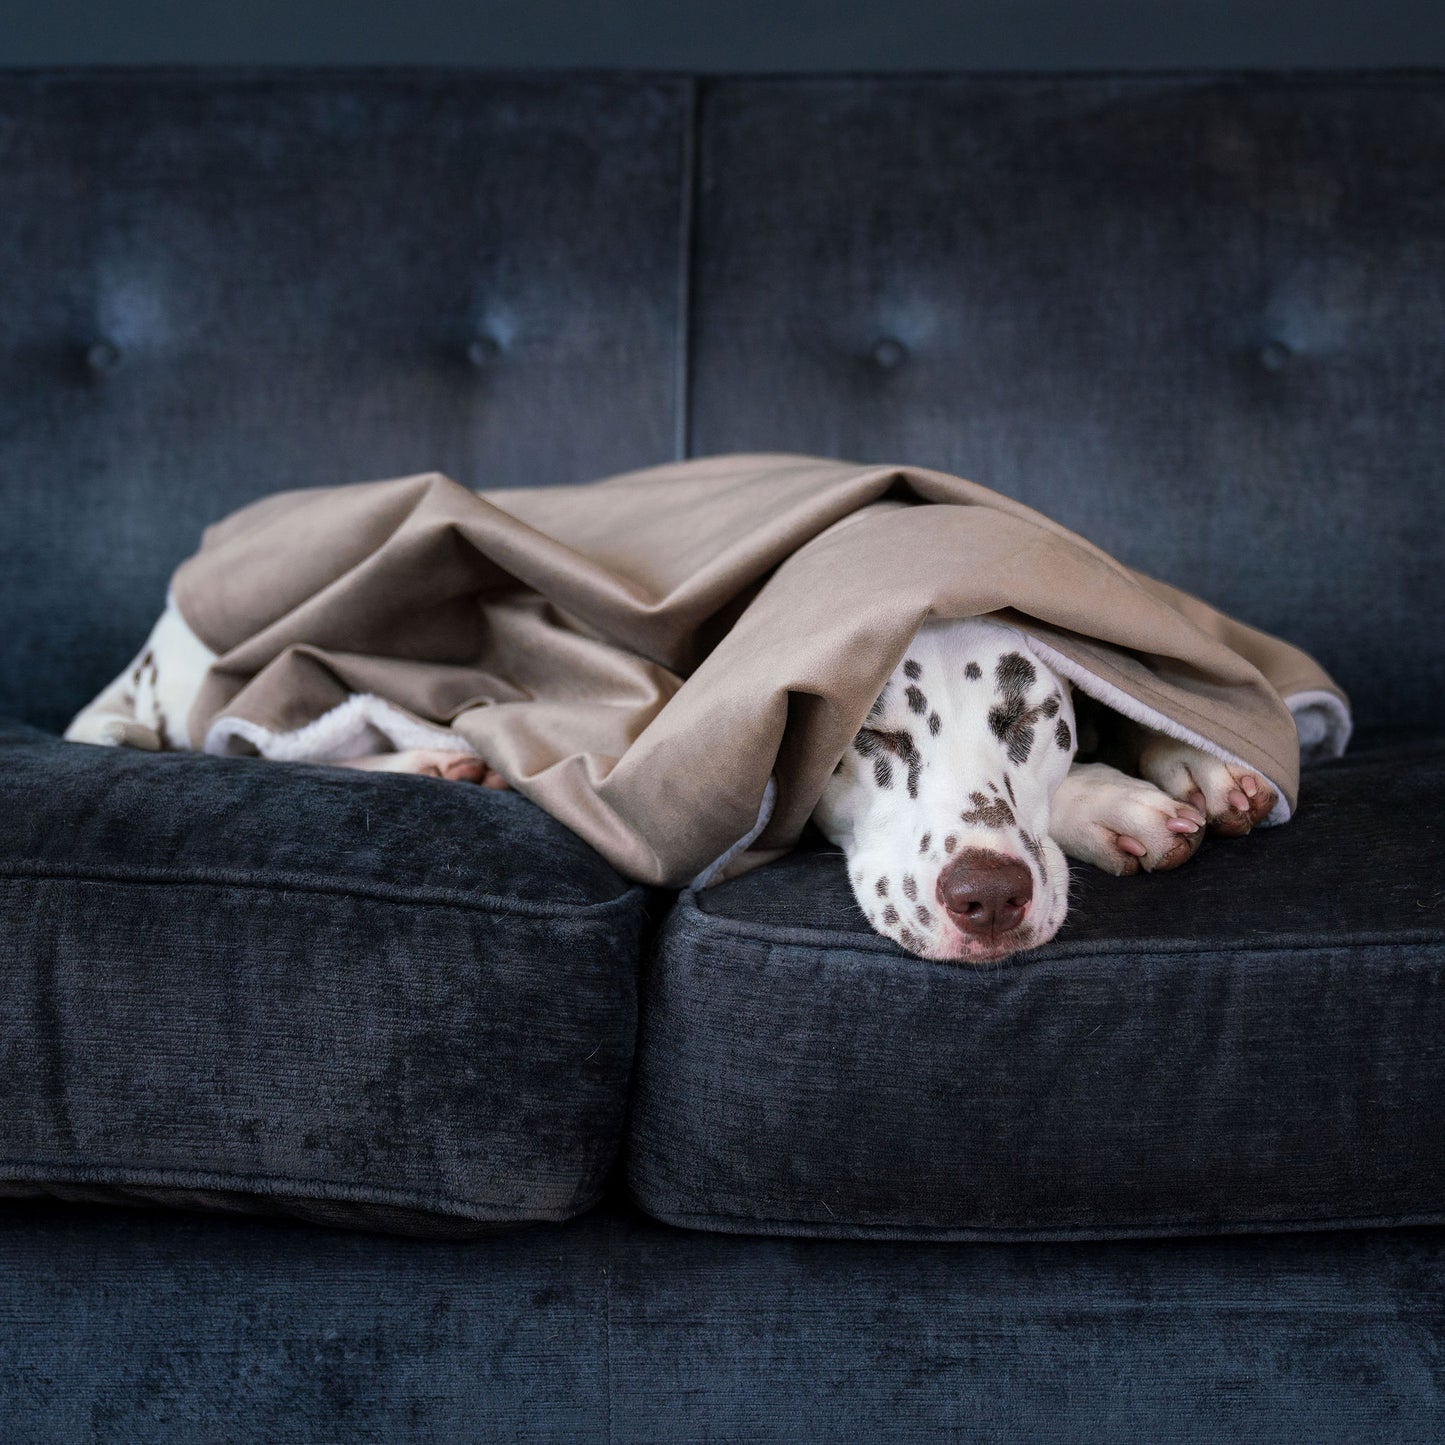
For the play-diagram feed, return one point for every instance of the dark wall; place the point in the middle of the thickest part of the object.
(730, 35)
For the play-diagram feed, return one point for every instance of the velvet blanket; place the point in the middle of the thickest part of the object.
(672, 661)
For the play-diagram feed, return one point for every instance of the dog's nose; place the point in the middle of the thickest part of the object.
(985, 892)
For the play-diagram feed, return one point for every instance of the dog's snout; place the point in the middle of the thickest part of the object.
(985, 892)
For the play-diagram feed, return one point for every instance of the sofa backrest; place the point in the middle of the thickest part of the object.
(1199, 320)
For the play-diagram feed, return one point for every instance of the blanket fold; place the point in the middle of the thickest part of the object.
(672, 661)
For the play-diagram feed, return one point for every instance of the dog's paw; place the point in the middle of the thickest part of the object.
(455, 767)
(1122, 824)
(1231, 797)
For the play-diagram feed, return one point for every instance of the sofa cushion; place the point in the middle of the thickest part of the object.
(361, 998)
(1253, 1042)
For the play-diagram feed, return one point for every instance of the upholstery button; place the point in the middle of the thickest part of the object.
(1274, 355)
(102, 356)
(483, 350)
(889, 353)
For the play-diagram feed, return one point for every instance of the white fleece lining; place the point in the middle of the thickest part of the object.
(765, 813)
(1123, 702)
(1323, 722)
(348, 731)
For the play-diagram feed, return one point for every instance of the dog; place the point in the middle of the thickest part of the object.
(954, 806)
(962, 794)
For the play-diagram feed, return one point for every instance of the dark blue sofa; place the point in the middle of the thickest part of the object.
(351, 1107)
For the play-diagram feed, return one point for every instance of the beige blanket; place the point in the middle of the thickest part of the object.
(671, 662)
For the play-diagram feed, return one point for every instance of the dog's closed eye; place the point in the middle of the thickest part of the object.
(882, 745)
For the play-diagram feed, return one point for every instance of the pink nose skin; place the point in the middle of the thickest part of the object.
(985, 893)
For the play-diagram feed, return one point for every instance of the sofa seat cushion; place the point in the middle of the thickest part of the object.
(360, 998)
(1253, 1042)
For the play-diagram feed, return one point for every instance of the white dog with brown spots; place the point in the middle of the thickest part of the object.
(961, 796)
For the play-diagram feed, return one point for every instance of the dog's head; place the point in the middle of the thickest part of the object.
(941, 804)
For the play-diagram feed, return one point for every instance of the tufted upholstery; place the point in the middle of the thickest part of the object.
(1197, 321)
(216, 290)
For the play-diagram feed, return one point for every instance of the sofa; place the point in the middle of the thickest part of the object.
(366, 1107)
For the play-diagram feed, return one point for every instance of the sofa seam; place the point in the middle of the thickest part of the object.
(1021, 1234)
(490, 903)
(700, 924)
(687, 236)
(326, 1191)
(607, 1307)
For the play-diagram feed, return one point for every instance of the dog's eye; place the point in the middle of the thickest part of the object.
(898, 741)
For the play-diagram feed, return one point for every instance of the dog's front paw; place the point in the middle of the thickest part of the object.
(1232, 797)
(1122, 824)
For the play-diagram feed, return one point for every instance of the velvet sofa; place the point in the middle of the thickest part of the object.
(339, 1107)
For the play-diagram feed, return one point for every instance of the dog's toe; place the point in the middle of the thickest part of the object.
(463, 769)
(453, 767)
(1231, 797)
(1123, 825)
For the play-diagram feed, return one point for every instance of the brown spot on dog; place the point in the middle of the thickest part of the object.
(991, 812)
(1010, 723)
(908, 938)
(934, 723)
(1062, 735)
(911, 669)
(1008, 783)
(950, 843)
(973, 671)
(1014, 674)
(883, 772)
(910, 888)
(924, 916)
(1036, 852)
(1051, 705)
(890, 915)
(881, 887)
(924, 842)
(1011, 720)
(916, 700)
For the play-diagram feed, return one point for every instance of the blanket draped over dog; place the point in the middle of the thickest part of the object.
(671, 662)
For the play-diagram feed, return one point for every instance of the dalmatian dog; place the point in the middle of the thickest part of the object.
(955, 804)
(961, 795)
